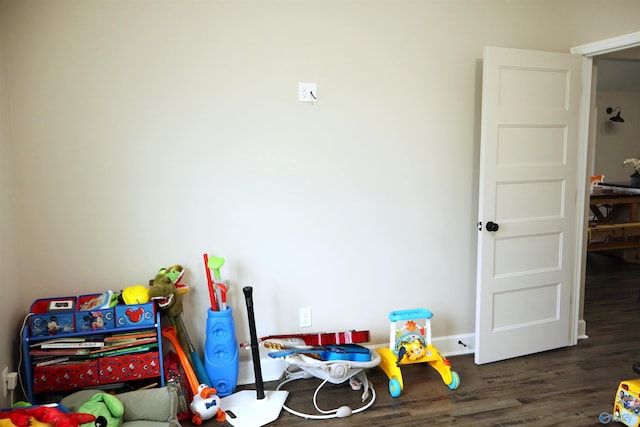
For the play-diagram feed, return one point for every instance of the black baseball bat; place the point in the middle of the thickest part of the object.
(255, 352)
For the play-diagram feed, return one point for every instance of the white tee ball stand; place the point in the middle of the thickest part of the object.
(249, 411)
(249, 408)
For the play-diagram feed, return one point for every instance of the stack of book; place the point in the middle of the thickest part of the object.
(75, 349)
(126, 343)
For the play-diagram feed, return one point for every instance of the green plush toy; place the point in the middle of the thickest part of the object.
(107, 409)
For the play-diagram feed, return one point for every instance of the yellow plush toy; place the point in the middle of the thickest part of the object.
(136, 294)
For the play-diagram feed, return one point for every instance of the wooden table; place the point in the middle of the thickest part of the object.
(611, 205)
(615, 224)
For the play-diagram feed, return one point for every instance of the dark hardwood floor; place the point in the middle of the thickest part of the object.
(566, 387)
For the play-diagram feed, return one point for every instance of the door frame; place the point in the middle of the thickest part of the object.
(587, 144)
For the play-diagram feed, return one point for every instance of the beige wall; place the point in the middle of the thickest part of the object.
(148, 133)
(13, 299)
(617, 141)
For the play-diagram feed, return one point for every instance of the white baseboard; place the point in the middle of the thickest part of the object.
(452, 345)
(455, 345)
(582, 330)
(273, 369)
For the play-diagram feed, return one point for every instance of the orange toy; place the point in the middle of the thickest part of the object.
(203, 396)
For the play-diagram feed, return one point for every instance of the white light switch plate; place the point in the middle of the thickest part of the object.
(307, 92)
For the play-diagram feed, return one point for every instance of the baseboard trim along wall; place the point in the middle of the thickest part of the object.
(582, 330)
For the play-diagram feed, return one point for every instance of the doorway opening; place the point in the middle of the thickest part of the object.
(612, 79)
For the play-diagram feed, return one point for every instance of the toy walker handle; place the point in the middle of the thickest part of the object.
(418, 313)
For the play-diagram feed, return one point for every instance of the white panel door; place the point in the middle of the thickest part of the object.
(528, 176)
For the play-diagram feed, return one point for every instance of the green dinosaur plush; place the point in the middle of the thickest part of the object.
(164, 292)
(107, 409)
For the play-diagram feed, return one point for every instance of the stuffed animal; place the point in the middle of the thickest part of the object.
(107, 409)
(164, 292)
(175, 273)
(42, 416)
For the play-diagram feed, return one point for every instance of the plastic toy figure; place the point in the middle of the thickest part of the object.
(206, 405)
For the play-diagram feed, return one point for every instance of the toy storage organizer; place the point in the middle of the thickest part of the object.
(49, 371)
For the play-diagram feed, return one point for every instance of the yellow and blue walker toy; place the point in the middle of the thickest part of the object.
(410, 342)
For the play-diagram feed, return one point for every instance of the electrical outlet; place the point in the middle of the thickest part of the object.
(12, 380)
(5, 374)
(305, 317)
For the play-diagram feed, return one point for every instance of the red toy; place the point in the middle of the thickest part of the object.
(43, 415)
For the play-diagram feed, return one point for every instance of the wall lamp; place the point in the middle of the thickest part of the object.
(617, 117)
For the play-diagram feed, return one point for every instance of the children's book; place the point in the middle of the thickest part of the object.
(58, 340)
(127, 336)
(125, 344)
(59, 352)
(102, 301)
(129, 350)
(81, 344)
(53, 361)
